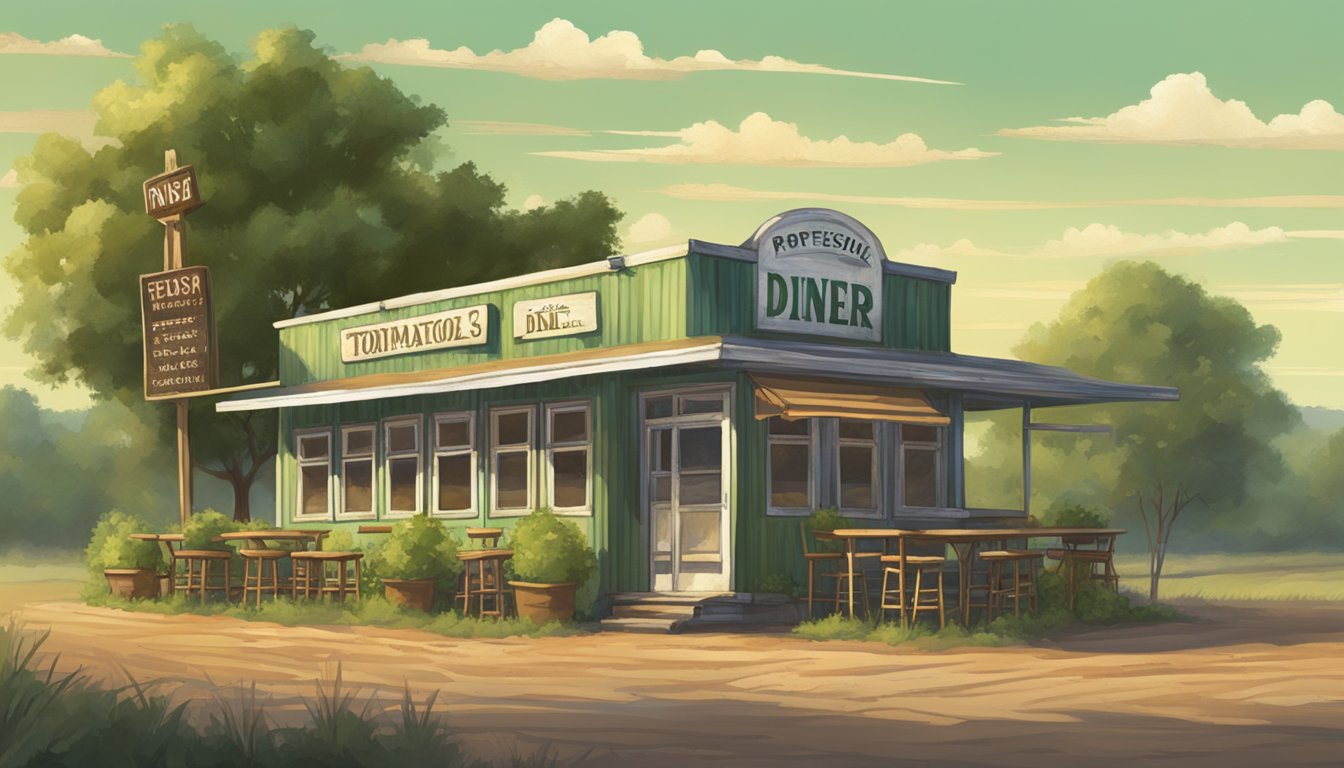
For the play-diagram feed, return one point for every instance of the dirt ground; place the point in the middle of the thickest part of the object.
(1246, 684)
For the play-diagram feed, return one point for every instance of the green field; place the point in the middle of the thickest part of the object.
(1244, 576)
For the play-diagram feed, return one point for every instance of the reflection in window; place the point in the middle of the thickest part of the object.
(357, 471)
(789, 464)
(455, 464)
(402, 465)
(920, 466)
(568, 453)
(314, 459)
(857, 463)
(511, 459)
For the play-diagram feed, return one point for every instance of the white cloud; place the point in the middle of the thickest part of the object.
(10, 180)
(71, 122)
(729, 193)
(505, 128)
(1108, 240)
(649, 228)
(533, 201)
(74, 45)
(1183, 110)
(761, 140)
(1304, 297)
(562, 51)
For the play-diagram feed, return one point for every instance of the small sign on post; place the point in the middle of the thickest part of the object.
(179, 330)
(172, 193)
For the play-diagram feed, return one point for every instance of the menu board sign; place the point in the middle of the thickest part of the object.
(179, 328)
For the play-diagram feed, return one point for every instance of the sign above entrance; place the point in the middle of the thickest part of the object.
(818, 272)
(557, 316)
(463, 327)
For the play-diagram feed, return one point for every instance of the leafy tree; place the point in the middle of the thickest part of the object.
(1136, 322)
(320, 193)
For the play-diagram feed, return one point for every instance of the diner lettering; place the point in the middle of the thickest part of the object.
(556, 316)
(453, 328)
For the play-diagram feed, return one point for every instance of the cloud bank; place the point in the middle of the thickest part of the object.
(761, 140)
(1183, 110)
(74, 45)
(649, 228)
(10, 180)
(506, 128)
(562, 51)
(1108, 241)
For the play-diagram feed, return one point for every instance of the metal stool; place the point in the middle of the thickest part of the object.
(482, 579)
(1023, 584)
(311, 577)
(205, 558)
(259, 583)
(932, 564)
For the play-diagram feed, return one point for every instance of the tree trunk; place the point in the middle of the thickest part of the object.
(242, 499)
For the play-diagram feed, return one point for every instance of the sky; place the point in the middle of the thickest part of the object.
(1023, 145)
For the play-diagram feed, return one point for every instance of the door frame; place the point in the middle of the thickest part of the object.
(729, 390)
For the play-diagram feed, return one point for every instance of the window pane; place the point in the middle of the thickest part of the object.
(790, 469)
(358, 442)
(513, 428)
(855, 429)
(569, 426)
(314, 501)
(401, 480)
(662, 451)
(658, 407)
(662, 529)
(918, 433)
(662, 488)
(701, 488)
(700, 532)
(921, 478)
(402, 437)
(314, 447)
(701, 448)
(454, 477)
(454, 434)
(856, 477)
(571, 478)
(781, 426)
(359, 486)
(511, 480)
(708, 404)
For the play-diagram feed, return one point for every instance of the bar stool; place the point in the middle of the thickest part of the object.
(1075, 558)
(259, 583)
(920, 564)
(311, 577)
(482, 579)
(813, 559)
(487, 537)
(1022, 584)
(205, 559)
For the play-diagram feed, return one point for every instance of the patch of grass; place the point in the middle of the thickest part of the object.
(1241, 576)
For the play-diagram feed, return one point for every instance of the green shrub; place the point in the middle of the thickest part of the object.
(827, 519)
(110, 546)
(419, 547)
(1067, 515)
(778, 583)
(548, 550)
(203, 527)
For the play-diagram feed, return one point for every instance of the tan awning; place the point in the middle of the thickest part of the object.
(794, 398)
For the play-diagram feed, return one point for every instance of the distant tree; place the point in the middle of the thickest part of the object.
(320, 193)
(1136, 322)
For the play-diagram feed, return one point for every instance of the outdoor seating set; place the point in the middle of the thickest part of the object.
(482, 589)
(912, 584)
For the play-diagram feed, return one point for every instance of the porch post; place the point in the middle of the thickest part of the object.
(1026, 457)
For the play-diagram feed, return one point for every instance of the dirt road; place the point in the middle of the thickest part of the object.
(1252, 685)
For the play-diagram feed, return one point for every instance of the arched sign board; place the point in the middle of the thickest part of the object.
(818, 272)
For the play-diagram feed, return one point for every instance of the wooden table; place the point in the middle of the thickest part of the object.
(167, 539)
(962, 541)
(258, 539)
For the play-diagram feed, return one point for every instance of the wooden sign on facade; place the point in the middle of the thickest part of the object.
(464, 327)
(179, 328)
(172, 193)
(555, 316)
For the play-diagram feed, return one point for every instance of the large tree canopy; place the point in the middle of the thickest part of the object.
(320, 190)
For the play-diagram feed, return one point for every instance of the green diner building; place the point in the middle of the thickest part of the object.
(685, 406)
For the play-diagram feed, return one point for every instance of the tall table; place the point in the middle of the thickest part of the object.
(258, 539)
(962, 541)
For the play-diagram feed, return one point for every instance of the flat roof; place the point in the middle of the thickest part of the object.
(1038, 385)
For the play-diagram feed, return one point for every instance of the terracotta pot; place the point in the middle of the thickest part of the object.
(410, 593)
(544, 602)
(132, 583)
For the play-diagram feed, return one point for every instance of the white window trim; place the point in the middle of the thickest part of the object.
(389, 455)
(372, 458)
(529, 451)
(436, 452)
(939, 473)
(813, 443)
(874, 512)
(300, 463)
(552, 448)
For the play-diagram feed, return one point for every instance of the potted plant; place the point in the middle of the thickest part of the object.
(551, 560)
(131, 568)
(418, 557)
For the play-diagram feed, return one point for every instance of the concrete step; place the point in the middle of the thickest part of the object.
(649, 626)
(662, 598)
(668, 611)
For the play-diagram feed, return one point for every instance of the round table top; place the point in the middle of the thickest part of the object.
(484, 554)
(278, 534)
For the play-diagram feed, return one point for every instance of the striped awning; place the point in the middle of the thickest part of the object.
(797, 398)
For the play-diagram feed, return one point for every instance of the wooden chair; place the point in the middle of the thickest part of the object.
(1022, 584)
(311, 575)
(259, 583)
(482, 580)
(916, 598)
(487, 538)
(839, 573)
(1079, 558)
(205, 559)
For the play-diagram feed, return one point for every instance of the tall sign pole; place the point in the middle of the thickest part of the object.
(174, 227)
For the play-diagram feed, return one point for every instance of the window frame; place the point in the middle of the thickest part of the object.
(372, 513)
(389, 455)
(551, 448)
(436, 451)
(812, 441)
(940, 472)
(874, 512)
(529, 450)
(300, 463)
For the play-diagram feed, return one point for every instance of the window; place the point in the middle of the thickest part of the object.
(401, 465)
(313, 451)
(357, 471)
(921, 466)
(455, 465)
(789, 466)
(569, 457)
(511, 431)
(856, 464)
